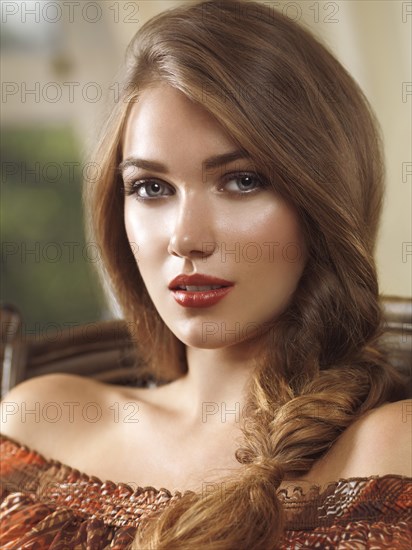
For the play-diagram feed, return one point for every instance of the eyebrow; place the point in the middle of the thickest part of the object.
(211, 162)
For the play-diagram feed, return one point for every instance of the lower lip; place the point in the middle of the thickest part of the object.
(204, 298)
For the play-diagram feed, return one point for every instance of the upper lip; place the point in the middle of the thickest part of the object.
(197, 279)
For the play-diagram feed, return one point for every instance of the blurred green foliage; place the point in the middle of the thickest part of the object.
(46, 269)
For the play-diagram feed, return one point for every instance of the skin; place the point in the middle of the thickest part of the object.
(193, 225)
(174, 444)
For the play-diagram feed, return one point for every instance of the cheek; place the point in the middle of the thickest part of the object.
(274, 260)
(138, 234)
(287, 250)
(270, 234)
(144, 235)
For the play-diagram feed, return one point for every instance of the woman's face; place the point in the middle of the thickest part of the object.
(188, 210)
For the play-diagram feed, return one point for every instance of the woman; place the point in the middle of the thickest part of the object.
(237, 210)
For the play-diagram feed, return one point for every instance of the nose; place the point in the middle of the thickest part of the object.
(193, 234)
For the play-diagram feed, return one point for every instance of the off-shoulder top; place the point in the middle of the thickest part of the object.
(48, 505)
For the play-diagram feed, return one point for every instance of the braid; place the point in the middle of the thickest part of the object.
(321, 367)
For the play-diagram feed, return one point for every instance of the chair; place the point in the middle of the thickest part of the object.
(102, 350)
(105, 350)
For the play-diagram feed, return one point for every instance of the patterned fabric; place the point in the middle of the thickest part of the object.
(48, 505)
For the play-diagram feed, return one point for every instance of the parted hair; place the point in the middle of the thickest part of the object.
(306, 124)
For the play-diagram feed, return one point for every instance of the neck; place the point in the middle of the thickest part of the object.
(215, 387)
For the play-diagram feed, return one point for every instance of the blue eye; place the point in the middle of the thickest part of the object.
(148, 189)
(235, 184)
(243, 182)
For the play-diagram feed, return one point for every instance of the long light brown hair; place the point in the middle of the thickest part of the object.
(310, 130)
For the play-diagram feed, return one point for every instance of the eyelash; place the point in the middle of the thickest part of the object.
(131, 189)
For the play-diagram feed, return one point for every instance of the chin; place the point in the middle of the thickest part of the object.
(200, 342)
(211, 335)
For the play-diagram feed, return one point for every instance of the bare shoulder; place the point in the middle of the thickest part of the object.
(45, 411)
(386, 432)
(378, 443)
(398, 413)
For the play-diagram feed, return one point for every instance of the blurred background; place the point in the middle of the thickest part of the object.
(59, 63)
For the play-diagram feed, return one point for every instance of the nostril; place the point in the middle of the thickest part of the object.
(191, 245)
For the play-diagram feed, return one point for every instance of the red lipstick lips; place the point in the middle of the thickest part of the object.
(199, 290)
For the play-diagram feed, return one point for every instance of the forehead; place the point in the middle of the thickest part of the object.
(164, 121)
